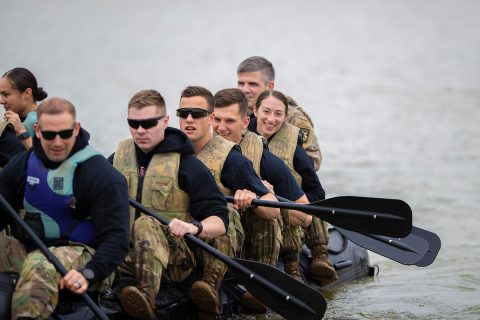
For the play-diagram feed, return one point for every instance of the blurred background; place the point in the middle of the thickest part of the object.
(393, 88)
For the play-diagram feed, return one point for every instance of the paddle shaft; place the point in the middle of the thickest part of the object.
(322, 212)
(235, 266)
(50, 256)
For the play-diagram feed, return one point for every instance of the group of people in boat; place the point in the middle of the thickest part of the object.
(250, 142)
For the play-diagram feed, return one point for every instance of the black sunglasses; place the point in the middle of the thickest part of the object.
(145, 123)
(50, 135)
(195, 112)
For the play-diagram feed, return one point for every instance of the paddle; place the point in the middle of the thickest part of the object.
(408, 250)
(412, 249)
(433, 249)
(50, 256)
(388, 217)
(284, 295)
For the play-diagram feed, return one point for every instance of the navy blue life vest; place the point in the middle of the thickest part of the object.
(49, 198)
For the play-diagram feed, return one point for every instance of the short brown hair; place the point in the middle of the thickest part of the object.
(197, 91)
(56, 105)
(227, 97)
(257, 63)
(146, 98)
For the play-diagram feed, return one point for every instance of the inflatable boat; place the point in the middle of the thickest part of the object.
(350, 261)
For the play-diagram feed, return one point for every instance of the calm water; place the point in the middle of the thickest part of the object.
(393, 88)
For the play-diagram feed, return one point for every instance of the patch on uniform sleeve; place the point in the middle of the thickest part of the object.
(304, 134)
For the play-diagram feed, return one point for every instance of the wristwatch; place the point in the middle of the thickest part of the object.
(199, 226)
(24, 135)
(88, 274)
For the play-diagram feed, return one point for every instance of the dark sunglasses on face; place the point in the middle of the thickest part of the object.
(50, 135)
(144, 123)
(195, 112)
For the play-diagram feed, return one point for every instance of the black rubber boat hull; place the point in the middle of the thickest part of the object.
(350, 261)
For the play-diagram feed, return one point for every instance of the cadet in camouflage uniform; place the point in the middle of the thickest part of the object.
(230, 120)
(233, 173)
(164, 175)
(271, 110)
(76, 203)
(255, 75)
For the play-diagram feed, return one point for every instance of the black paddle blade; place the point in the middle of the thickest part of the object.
(434, 243)
(389, 217)
(299, 302)
(408, 250)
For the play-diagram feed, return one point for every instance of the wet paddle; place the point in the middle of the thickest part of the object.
(50, 256)
(389, 217)
(434, 243)
(408, 250)
(289, 298)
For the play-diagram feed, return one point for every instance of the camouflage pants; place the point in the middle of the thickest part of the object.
(264, 238)
(292, 235)
(235, 231)
(292, 238)
(36, 294)
(316, 233)
(159, 256)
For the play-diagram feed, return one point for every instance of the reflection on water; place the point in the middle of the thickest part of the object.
(393, 89)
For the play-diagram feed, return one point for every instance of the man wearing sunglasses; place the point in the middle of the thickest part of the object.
(233, 173)
(165, 176)
(74, 201)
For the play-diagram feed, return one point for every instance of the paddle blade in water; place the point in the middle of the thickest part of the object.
(407, 250)
(434, 243)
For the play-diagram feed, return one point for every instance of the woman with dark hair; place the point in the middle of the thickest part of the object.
(284, 141)
(19, 93)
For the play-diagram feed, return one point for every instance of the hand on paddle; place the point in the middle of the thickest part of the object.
(179, 228)
(243, 199)
(74, 281)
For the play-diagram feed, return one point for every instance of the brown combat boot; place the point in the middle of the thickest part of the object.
(138, 302)
(292, 268)
(204, 293)
(321, 268)
(252, 305)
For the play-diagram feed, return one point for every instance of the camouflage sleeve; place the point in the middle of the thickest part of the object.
(298, 117)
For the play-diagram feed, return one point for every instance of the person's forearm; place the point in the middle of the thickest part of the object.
(212, 227)
(299, 218)
(266, 212)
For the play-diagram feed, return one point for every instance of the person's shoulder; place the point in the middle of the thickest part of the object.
(236, 157)
(190, 162)
(18, 161)
(98, 167)
(270, 157)
(297, 115)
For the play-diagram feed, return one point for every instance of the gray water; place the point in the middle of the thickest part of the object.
(392, 86)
